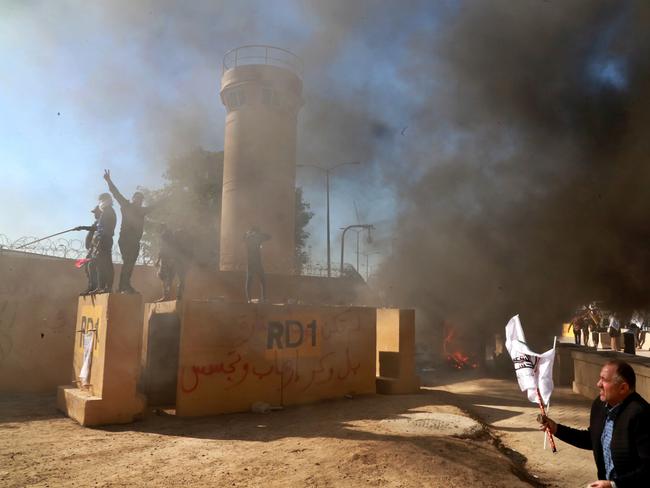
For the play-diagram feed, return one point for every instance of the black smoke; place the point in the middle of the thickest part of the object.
(541, 204)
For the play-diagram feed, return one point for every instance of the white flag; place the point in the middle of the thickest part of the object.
(84, 373)
(533, 370)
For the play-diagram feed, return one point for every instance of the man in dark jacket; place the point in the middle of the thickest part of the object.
(103, 244)
(173, 261)
(133, 214)
(89, 262)
(254, 239)
(619, 430)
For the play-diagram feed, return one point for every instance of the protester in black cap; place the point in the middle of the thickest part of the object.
(89, 262)
(103, 244)
(133, 214)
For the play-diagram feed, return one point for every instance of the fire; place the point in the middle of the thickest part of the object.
(456, 359)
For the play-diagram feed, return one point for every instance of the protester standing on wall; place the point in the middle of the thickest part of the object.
(173, 261)
(614, 331)
(133, 214)
(103, 244)
(576, 324)
(645, 328)
(89, 262)
(254, 239)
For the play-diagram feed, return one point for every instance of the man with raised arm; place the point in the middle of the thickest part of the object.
(133, 214)
(619, 430)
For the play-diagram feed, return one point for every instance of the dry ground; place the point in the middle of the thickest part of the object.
(343, 443)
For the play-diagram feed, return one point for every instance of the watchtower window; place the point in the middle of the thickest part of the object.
(271, 97)
(235, 99)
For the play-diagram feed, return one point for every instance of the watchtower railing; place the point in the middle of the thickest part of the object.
(262, 54)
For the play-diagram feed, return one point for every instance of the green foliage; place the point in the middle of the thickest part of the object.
(303, 216)
(190, 200)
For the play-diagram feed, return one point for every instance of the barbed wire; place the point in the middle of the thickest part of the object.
(61, 247)
(317, 269)
(76, 249)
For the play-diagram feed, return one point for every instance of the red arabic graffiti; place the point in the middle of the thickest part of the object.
(236, 371)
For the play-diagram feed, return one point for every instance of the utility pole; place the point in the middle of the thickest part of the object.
(327, 170)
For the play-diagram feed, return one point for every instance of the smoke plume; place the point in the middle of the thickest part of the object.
(513, 136)
(533, 198)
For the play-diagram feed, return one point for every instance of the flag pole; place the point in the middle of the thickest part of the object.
(46, 237)
(548, 406)
(548, 430)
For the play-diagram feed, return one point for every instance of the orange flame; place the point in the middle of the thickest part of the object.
(456, 359)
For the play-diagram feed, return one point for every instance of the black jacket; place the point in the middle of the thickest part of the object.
(105, 227)
(132, 216)
(630, 440)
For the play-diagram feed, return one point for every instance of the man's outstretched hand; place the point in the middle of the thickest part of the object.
(107, 175)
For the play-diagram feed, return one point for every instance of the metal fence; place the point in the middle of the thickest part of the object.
(318, 269)
(61, 248)
(262, 54)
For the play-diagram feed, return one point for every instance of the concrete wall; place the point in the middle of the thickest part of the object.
(563, 373)
(205, 284)
(395, 360)
(587, 366)
(38, 306)
(234, 355)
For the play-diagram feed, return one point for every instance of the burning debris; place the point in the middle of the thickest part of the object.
(452, 349)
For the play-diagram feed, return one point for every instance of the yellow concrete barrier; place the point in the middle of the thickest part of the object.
(107, 345)
(396, 351)
(234, 355)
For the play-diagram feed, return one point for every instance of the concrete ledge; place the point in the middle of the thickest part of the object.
(108, 395)
(89, 410)
(587, 366)
(563, 370)
(396, 352)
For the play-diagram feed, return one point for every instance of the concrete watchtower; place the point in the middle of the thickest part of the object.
(261, 88)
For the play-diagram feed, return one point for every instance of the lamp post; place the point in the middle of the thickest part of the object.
(358, 231)
(327, 171)
(368, 227)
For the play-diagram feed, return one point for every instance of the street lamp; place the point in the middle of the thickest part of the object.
(368, 227)
(327, 171)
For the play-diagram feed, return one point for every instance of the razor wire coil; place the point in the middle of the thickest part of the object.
(63, 248)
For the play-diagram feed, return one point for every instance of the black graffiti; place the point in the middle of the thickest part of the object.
(290, 333)
(524, 361)
(87, 325)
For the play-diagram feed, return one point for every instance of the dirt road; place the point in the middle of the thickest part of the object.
(394, 441)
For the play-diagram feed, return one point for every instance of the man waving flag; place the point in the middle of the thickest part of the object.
(534, 371)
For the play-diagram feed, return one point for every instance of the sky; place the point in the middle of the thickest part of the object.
(89, 86)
